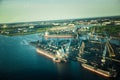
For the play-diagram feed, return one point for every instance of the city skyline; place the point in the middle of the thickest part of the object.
(38, 10)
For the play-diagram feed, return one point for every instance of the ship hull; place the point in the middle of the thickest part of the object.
(98, 71)
(58, 36)
(49, 55)
(45, 53)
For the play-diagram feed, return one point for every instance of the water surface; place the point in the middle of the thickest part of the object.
(19, 61)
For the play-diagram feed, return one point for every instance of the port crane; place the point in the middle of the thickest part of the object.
(81, 48)
(67, 47)
(111, 54)
(63, 52)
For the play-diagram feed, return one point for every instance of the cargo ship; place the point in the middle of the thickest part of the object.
(47, 35)
(57, 50)
(107, 71)
(45, 53)
(111, 73)
(55, 57)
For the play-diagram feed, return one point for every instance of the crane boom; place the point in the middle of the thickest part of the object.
(110, 50)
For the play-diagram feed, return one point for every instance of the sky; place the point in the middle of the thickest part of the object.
(38, 10)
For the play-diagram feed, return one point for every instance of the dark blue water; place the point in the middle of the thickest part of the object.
(19, 61)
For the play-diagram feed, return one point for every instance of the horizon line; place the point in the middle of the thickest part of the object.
(60, 19)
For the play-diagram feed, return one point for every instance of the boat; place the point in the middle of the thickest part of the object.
(56, 55)
(43, 52)
(49, 55)
(47, 35)
(58, 51)
(111, 73)
(108, 72)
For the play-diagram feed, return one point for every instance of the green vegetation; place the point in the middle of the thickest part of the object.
(14, 31)
(112, 30)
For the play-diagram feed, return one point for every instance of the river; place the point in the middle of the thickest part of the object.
(20, 61)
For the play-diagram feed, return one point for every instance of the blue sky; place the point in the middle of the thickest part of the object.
(37, 10)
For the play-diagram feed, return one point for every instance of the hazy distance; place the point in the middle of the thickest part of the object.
(37, 10)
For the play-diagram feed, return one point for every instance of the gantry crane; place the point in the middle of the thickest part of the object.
(111, 54)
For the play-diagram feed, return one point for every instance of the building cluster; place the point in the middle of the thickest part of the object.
(58, 25)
